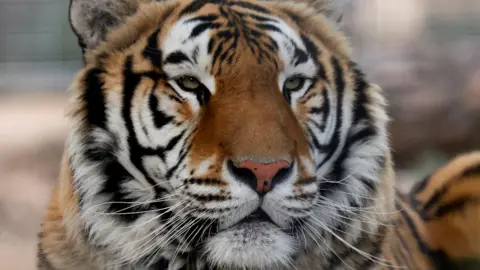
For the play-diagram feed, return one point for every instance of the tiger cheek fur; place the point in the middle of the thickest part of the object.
(230, 134)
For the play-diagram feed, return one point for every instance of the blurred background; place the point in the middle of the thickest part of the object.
(424, 53)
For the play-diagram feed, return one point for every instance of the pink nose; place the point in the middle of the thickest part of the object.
(264, 172)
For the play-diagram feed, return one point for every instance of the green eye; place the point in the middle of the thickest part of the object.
(188, 83)
(294, 83)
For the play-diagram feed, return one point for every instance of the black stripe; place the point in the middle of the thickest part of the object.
(229, 51)
(269, 27)
(250, 6)
(96, 152)
(130, 83)
(335, 141)
(177, 57)
(210, 46)
(94, 98)
(363, 135)
(120, 202)
(415, 190)
(208, 198)
(115, 173)
(217, 52)
(437, 196)
(433, 200)
(445, 209)
(359, 110)
(172, 170)
(161, 264)
(261, 18)
(321, 127)
(326, 107)
(152, 51)
(338, 170)
(197, 5)
(337, 173)
(273, 46)
(315, 142)
(299, 57)
(322, 112)
(311, 47)
(160, 119)
(199, 29)
(204, 181)
(203, 18)
(313, 51)
(369, 183)
(437, 257)
(223, 34)
(473, 171)
(173, 142)
(455, 206)
(316, 110)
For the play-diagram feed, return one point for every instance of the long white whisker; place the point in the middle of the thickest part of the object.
(154, 233)
(375, 259)
(327, 245)
(130, 204)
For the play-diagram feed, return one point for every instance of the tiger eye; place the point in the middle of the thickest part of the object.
(294, 83)
(188, 83)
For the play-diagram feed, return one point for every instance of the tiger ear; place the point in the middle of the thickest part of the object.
(92, 20)
(332, 9)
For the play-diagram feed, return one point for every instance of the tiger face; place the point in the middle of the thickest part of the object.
(237, 133)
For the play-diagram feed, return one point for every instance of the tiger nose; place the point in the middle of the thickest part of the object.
(266, 174)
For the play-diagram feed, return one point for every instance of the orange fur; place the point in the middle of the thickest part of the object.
(60, 244)
(437, 227)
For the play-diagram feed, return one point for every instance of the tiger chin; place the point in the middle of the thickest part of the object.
(232, 134)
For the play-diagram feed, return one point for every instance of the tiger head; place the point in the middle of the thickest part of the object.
(238, 133)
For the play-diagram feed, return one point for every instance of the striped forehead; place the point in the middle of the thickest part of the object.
(185, 52)
(292, 49)
(187, 45)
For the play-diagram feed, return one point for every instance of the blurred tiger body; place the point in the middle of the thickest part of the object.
(229, 135)
(437, 227)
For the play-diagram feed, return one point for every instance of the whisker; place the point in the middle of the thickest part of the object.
(325, 180)
(328, 246)
(375, 259)
(152, 234)
(130, 204)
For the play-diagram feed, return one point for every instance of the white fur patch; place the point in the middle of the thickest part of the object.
(178, 40)
(258, 245)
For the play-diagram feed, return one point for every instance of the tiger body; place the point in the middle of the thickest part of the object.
(225, 135)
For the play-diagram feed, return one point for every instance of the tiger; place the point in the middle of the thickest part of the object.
(238, 134)
(437, 224)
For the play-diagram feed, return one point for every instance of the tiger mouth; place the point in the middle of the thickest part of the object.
(257, 216)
